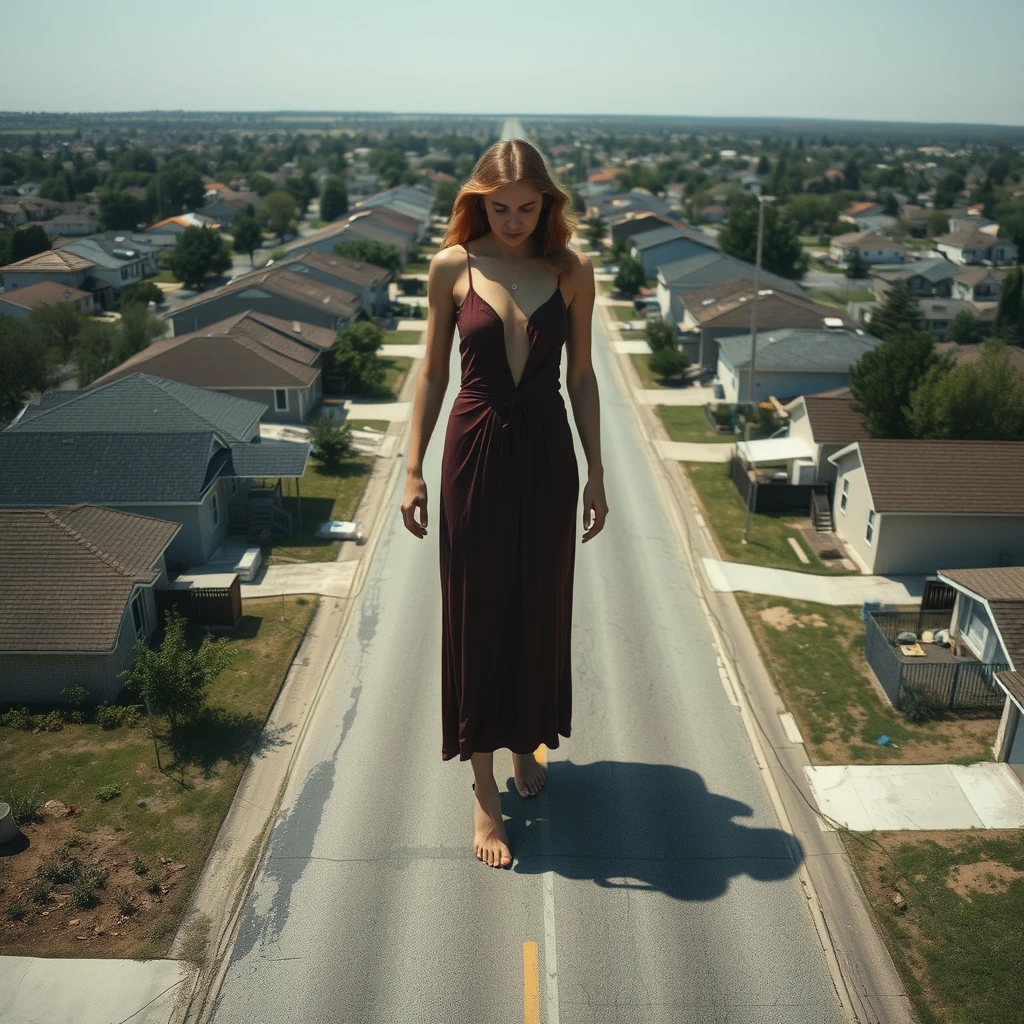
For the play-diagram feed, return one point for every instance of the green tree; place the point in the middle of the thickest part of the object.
(280, 211)
(26, 366)
(630, 278)
(57, 325)
(28, 241)
(444, 198)
(248, 236)
(57, 187)
(660, 334)
(593, 231)
(1010, 311)
(261, 184)
(851, 175)
(356, 359)
(857, 267)
(883, 380)
(899, 309)
(938, 223)
(121, 210)
(782, 252)
(966, 328)
(890, 205)
(333, 198)
(980, 400)
(198, 253)
(366, 250)
(948, 190)
(175, 676)
(97, 350)
(138, 328)
(331, 441)
(143, 293)
(668, 363)
(578, 204)
(176, 189)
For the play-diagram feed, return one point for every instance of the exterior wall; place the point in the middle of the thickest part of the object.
(10, 280)
(925, 544)
(852, 522)
(844, 254)
(783, 386)
(211, 534)
(187, 546)
(19, 312)
(39, 678)
(300, 401)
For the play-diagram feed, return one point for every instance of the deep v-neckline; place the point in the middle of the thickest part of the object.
(529, 320)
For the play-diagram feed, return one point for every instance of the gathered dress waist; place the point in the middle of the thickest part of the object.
(509, 405)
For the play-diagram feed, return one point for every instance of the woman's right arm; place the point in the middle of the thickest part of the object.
(431, 384)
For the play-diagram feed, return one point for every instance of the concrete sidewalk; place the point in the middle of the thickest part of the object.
(90, 991)
(328, 579)
(692, 451)
(695, 395)
(918, 796)
(804, 586)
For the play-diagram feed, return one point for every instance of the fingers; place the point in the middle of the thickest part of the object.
(417, 529)
(597, 515)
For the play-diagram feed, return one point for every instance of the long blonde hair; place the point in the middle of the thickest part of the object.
(506, 163)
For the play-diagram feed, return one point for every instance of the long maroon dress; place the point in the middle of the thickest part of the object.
(507, 525)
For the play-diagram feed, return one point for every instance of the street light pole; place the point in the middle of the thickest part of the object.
(761, 200)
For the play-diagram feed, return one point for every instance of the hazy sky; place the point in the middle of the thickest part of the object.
(873, 60)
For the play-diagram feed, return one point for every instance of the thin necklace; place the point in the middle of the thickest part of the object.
(507, 274)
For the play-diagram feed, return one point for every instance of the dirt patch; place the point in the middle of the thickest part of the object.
(985, 875)
(40, 918)
(781, 618)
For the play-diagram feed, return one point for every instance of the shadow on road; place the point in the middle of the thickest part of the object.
(642, 826)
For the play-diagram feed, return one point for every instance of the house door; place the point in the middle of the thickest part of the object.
(1015, 755)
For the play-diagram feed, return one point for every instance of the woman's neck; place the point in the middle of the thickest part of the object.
(511, 254)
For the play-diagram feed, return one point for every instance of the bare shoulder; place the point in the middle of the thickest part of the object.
(581, 267)
(446, 266)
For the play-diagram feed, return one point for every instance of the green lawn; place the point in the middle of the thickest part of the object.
(404, 337)
(185, 802)
(815, 653)
(957, 944)
(689, 423)
(324, 496)
(381, 425)
(642, 361)
(840, 299)
(164, 277)
(623, 313)
(416, 267)
(725, 512)
(605, 287)
(827, 267)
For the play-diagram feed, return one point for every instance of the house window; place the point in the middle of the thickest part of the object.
(845, 494)
(137, 614)
(870, 531)
(215, 510)
(281, 400)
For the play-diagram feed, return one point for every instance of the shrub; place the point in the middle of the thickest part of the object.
(75, 717)
(152, 885)
(722, 415)
(660, 334)
(75, 695)
(108, 793)
(24, 806)
(145, 292)
(107, 716)
(130, 715)
(139, 865)
(16, 718)
(668, 363)
(15, 911)
(919, 705)
(60, 871)
(52, 721)
(126, 903)
(40, 891)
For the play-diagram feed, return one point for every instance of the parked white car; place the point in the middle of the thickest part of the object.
(340, 529)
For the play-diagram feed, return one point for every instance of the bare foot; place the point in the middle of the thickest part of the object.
(490, 842)
(529, 775)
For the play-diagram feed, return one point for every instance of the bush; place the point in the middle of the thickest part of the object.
(17, 718)
(15, 911)
(108, 793)
(75, 695)
(107, 716)
(722, 415)
(139, 865)
(60, 870)
(84, 893)
(144, 292)
(668, 363)
(52, 721)
(126, 903)
(40, 891)
(24, 806)
(277, 254)
(331, 441)
(660, 334)
(919, 705)
(152, 885)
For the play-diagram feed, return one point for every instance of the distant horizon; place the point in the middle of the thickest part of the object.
(882, 62)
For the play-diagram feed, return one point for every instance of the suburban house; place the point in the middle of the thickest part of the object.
(376, 225)
(971, 353)
(123, 245)
(153, 447)
(978, 284)
(667, 244)
(276, 292)
(634, 222)
(908, 506)
(68, 225)
(916, 218)
(867, 216)
(923, 277)
(988, 618)
(872, 247)
(790, 362)
(20, 302)
(612, 207)
(414, 201)
(78, 589)
(826, 423)
(118, 265)
(972, 246)
(677, 279)
(249, 356)
(723, 311)
(173, 227)
(224, 206)
(61, 267)
(367, 281)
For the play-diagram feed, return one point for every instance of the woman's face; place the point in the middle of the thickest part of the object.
(513, 212)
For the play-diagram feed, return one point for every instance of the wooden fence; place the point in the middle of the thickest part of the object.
(205, 606)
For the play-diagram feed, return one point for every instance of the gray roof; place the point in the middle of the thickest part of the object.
(711, 268)
(268, 457)
(650, 239)
(799, 350)
(102, 253)
(142, 403)
(620, 202)
(105, 468)
(933, 270)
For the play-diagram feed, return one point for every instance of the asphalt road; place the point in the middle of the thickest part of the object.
(651, 873)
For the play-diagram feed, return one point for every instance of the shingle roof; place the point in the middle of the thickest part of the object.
(715, 267)
(970, 239)
(53, 261)
(306, 334)
(799, 350)
(341, 267)
(669, 233)
(268, 457)
(866, 240)
(933, 271)
(965, 477)
(41, 294)
(142, 403)
(833, 419)
(69, 572)
(775, 311)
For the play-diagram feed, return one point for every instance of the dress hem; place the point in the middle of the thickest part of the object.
(465, 755)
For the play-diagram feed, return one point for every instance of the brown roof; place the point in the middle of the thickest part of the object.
(1003, 589)
(68, 574)
(700, 297)
(866, 240)
(356, 271)
(971, 239)
(296, 330)
(834, 420)
(42, 294)
(395, 219)
(972, 353)
(52, 261)
(775, 310)
(975, 275)
(956, 477)
(234, 353)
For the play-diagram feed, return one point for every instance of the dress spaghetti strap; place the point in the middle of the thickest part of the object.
(469, 267)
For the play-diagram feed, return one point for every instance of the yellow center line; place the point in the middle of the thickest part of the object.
(531, 984)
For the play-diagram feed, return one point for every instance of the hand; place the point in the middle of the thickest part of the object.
(415, 497)
(594, 505)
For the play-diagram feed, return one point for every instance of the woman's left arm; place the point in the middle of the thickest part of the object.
(581, 385)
